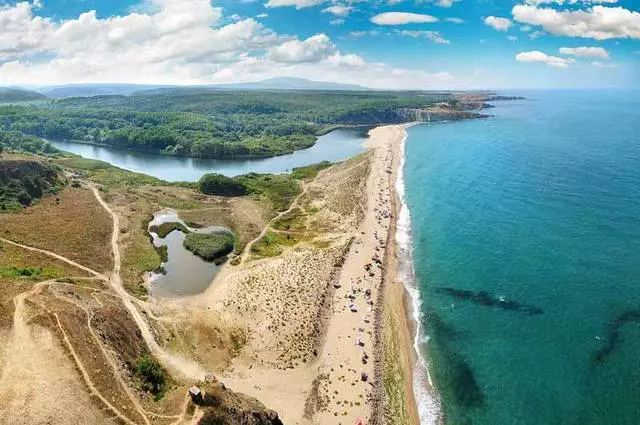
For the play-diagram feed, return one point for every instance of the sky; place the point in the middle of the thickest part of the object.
(384, 44)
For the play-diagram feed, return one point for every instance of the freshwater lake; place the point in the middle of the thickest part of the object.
(335, 146)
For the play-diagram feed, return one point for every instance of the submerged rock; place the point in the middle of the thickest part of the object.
(613, 334)
(483, 298)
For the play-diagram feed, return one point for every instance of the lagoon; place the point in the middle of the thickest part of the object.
(335, 146)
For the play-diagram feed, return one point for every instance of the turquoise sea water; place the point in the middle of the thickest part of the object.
(526, 249)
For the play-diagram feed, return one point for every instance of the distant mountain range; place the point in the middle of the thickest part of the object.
(285, 83)
(15, 94)
(88, 90)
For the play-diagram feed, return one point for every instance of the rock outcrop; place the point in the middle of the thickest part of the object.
(224, 407)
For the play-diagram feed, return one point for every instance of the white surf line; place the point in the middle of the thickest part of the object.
(188, 369)
(426, 398)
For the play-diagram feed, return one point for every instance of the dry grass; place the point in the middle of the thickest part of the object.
(71, 224)
(282, 300)
(11, 286)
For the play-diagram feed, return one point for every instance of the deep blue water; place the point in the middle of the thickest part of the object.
(335, 146)
(536, 214)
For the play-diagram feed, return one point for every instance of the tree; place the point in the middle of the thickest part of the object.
(217, 184)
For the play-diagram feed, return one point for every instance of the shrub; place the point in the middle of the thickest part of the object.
(151, 374)
(217, 184)
(210, 246)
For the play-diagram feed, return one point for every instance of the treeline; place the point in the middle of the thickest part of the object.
(15, 140)
(210, 124)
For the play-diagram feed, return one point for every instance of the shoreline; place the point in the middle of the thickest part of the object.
(425, 396)
(349, 299)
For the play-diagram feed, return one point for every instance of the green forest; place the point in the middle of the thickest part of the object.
(207, 123)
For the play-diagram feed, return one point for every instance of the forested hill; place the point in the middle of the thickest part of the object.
(10, 95)
(214, 123)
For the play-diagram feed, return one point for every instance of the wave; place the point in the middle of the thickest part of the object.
(427, 400)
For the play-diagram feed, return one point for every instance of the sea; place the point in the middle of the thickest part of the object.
(521, 236)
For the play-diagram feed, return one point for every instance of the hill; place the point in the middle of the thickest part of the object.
(285, 83)
(13, 94)
(24, 180)
(88, 90)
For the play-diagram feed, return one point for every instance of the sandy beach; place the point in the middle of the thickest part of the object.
(324, 325)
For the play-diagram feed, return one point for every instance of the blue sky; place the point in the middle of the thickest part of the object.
(400, 44)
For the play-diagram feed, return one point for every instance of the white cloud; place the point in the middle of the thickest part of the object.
(434, 36)
(360, 34)
(598, 22)
(540, 57)
(298, 4)
(177, 42)
(344, 68)
(512, 38)
(338, 10)
(536, 34)
(587, 52)
(445, 3)
(455, 20)
(313, 49)
(562, 2)
(262, 15)
(500, 24)
(402, 18)
(603, 65)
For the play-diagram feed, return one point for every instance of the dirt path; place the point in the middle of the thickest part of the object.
(294, 204)
(56, 256)
(35, 357)
(178, 366)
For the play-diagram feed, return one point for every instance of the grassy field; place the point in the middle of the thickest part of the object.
(72, 224)
(273, 244)
(106, 174)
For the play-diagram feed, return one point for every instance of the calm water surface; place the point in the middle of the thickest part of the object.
(335, 146)
(185, 273)
(539, 207)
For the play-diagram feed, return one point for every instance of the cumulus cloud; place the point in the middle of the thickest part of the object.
(500, 24)
(598, 22)
(176, 42)
(587, 52)
(536, 56)
(402, 18)
(313, 49)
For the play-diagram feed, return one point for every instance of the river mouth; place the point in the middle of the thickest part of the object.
(183, 273)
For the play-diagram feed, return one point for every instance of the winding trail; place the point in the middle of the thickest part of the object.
(178, 366)
(294, 204)
(56, 256)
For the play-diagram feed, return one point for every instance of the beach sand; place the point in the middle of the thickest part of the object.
(316, 317)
